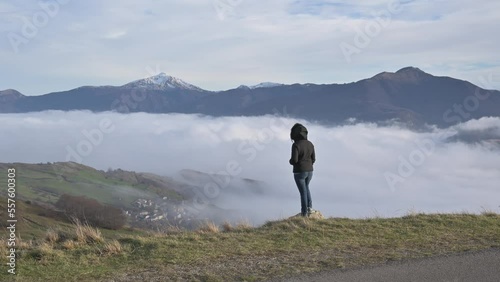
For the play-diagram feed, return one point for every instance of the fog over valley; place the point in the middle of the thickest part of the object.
(362, 170)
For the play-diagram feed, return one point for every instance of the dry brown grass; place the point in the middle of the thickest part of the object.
(208, 227)
(46, 248)
(488, 212)
(113, 247)
(70, 244)
(51, 236)
(227, 227)
(24, 245)
(87, 234)
(304, 222)
(243, 225)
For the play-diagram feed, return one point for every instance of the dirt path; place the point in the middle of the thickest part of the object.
(481, 266)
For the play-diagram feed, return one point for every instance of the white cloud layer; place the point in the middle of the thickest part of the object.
(350, 174)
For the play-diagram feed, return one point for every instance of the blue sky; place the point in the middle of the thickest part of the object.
(220, 44)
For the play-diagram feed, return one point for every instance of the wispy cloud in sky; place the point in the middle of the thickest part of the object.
(113, 42)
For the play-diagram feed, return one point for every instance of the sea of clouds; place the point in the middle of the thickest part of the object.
(362, 170)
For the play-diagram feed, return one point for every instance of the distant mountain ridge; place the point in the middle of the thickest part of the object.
(409, 95)
(262, 85)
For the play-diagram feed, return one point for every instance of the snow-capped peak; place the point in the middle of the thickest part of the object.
(265, 85)
(162, 81)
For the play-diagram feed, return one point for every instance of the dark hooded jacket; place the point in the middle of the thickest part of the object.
(303, 155)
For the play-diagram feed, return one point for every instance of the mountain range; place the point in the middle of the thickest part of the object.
(408, 95)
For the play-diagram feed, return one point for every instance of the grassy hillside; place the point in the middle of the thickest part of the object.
(34, 220)
(149, 201)
(46, 182)
(243, 253)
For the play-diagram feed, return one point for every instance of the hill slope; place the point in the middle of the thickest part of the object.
(147, 199)
(46, 182)
(150, 201)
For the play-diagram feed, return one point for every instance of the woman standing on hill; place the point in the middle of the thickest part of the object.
(303, 158)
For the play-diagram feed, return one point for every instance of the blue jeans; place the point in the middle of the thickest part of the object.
(302, 180)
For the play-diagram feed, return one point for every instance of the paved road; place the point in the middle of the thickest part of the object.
(477, 267)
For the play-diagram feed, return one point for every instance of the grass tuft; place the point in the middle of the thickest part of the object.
(87, 234)
(174, 229)
(208, 227)
(52, 236)
(227, 227)
(70, 244)
(46, 248)
(24, 245)
(243, 225)
(113, 247)
(488, 212)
